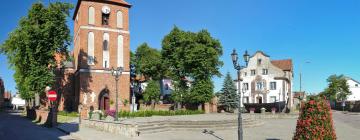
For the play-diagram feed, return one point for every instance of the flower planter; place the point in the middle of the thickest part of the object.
(252, 110)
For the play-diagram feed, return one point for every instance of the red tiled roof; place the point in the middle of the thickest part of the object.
(118, 2)
(283, 64)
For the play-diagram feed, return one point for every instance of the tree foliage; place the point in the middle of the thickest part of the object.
(149, 62)
(227, 96)
(194, 56)
(337, 89)
(152, 92)
(31, 47)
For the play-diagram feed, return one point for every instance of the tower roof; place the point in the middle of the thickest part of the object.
(114, 2)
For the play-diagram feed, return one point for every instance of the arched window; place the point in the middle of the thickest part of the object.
(91, 58)
(119, 19)
(91, 15)
(120, 51)
(106, 45)
(106, 58)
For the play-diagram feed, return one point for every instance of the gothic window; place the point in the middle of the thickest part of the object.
(106, 45)
(106, 61)
(91, 15)
(119, 18)
(120, 51)
(91, 58)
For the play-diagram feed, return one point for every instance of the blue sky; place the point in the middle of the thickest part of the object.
(325, 33)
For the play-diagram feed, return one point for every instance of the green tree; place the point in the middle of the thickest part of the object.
(337, 89)
(227, 96)
(31, 47)
(194, 56)
(152, 92)
(149, 62)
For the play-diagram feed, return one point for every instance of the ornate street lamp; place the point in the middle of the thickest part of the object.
(117, 73)
(234, 57)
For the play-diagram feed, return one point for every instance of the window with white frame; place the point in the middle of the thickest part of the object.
(120, 51)
(106, 58)
(272, 85)
(91, 14)
(119, 19)
(246, 86)
(260, 85)
(91, 58)
(259, 61)
(265, 71)
(253, 72)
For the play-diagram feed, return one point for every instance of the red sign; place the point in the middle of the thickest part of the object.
(52, 95)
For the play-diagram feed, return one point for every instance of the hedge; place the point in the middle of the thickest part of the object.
(267, 106)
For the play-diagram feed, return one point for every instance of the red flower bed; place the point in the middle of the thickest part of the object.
(315, 121)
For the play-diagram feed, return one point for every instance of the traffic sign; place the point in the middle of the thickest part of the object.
(52, 95)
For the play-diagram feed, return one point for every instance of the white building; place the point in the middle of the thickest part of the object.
(267, 81)
(354, 87)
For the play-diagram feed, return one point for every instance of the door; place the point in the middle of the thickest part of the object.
(106, 103)
(259, 100)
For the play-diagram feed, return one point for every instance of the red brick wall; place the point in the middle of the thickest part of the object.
(88, 81)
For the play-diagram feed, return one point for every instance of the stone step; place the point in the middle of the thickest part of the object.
(158, 130)
(194, 122)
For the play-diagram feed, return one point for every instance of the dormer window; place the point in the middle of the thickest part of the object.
(259, 62)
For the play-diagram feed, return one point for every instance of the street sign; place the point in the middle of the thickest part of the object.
(52, 95)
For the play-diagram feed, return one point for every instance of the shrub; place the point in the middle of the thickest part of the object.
(149, 113)
(315, 121)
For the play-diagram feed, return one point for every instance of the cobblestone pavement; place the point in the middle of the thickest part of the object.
(346, 126)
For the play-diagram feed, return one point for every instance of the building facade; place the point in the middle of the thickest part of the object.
(267, 81)
(101, 42)
(354, 87)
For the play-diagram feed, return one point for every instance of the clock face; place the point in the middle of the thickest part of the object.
(106, 9)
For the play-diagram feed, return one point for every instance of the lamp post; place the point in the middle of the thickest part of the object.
(234, 57)
(117, 73)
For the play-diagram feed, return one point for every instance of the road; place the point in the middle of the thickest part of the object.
(15, 127)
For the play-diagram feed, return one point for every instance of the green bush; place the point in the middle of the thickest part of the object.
(149, 113)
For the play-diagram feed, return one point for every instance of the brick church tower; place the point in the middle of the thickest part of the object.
(101, 42)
